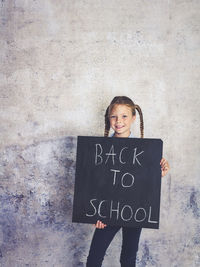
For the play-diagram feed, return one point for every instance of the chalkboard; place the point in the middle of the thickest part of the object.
(118, 181)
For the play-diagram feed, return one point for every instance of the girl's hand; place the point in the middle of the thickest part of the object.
(100, 225)
(164, 166)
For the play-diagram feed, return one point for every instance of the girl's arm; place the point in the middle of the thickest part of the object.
(164, 166)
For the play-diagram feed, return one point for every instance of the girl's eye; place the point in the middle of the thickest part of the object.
(124, 116)
(112, 116)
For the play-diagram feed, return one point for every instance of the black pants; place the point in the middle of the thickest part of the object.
(102, 239)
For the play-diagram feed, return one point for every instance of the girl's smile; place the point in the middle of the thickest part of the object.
(121, 119)
(119, 127)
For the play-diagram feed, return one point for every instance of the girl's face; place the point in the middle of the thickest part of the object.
(121, 119)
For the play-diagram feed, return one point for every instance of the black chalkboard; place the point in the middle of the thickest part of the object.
(118, 181)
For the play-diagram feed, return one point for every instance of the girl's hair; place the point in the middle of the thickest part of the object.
(123, 100)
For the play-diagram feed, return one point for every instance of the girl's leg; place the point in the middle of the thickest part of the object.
(130, 241)
(100, 242)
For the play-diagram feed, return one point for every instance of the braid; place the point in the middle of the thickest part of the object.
(141, 120)
(107, 123)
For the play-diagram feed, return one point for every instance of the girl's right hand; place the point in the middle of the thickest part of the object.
(100, 225)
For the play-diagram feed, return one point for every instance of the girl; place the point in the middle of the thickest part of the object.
(119, 115)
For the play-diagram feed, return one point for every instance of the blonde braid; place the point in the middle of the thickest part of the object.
(107, 123)
(141, 120)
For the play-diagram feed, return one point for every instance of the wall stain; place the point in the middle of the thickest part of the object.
(146, 256)
(193, 202)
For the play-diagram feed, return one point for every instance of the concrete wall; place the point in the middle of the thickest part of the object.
(62, 62)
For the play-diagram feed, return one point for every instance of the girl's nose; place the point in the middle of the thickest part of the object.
(118, 119)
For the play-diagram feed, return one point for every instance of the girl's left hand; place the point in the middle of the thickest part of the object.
(164, 166)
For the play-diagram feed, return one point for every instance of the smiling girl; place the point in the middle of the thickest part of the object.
(119, 116)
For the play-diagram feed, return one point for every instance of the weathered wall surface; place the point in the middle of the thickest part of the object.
(61, 64)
